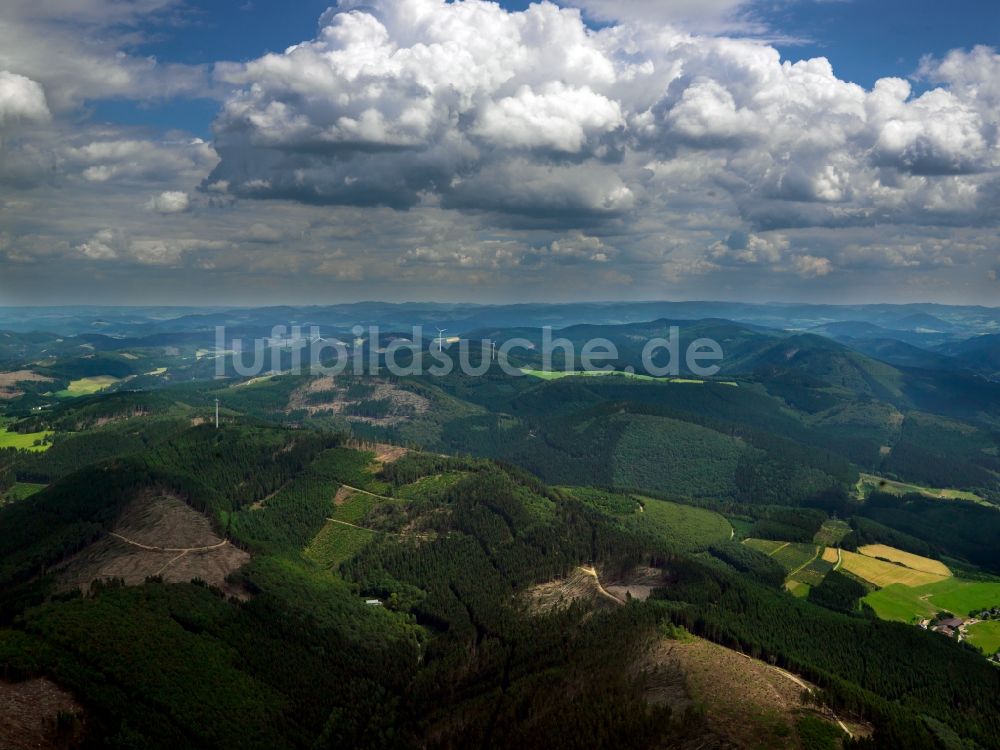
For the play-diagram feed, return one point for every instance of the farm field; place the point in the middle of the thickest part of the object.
(23, 441)
(869, 483)
(683, 525)
(908, 603)
(914, 562)
(87, 386)
(985, 636)
(883, 573)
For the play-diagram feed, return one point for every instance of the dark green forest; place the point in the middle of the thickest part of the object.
(386, 601)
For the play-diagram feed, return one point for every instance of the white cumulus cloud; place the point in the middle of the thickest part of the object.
(21, 99)
(169, 202)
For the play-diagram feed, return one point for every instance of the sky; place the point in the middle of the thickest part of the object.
(265, 152)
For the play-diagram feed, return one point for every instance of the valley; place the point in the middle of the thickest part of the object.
(441, 552)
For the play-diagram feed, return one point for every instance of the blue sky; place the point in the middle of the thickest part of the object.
(836, 150)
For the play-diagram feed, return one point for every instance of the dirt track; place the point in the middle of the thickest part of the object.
(157, 535)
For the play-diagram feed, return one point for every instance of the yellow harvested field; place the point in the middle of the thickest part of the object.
(915, 562)
(883, 573)
(830, 554)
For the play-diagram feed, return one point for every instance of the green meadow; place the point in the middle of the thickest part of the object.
(985, 636)
(24, 441)
(87, 386)
(869, 483)
(556, 375)
(906, 604)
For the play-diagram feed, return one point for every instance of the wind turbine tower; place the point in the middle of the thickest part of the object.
(216, 413)
(441, 332)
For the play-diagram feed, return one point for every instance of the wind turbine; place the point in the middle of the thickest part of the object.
(441, 332)
(216, 413)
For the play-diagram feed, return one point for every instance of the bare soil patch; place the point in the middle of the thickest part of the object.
(10, 380)
(343, 495)
(29, 716)
(327, 395)
(746, 701)
(638, 584)
(157, 535)
(388, 454)
(580, 586)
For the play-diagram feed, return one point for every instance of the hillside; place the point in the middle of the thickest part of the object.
(371, 560)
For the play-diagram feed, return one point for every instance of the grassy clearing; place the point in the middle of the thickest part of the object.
(798, 588)
(985, 636)
(87, 386)
(914, 562)
(683, 526)
(22, 490)
(212, 353)
(336, 543)
(556, 375)
(24, 441)
(255, 381)
(832, 532)
(869, 483)
(882, 574)
(742, 526)
(909, 603)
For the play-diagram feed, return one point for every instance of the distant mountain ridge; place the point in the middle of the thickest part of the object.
(961, 321)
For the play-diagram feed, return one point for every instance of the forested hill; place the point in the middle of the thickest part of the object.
(287, 653)
(526, 559)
